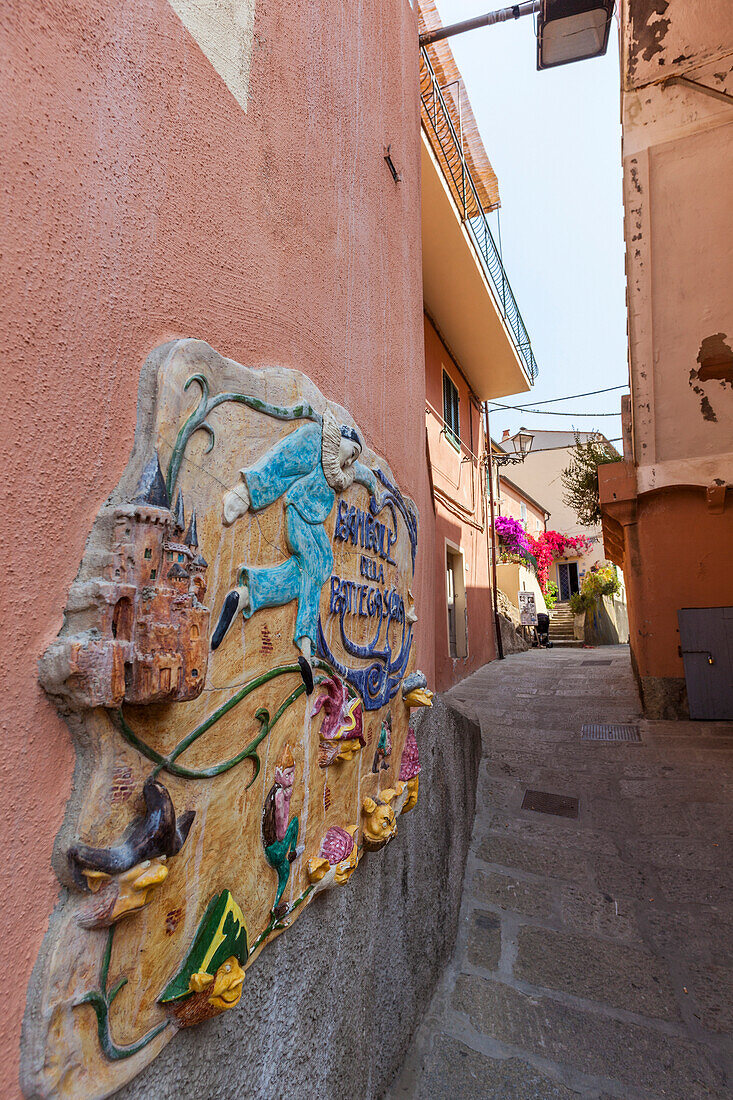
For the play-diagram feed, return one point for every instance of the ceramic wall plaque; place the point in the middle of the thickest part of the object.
(236, 665)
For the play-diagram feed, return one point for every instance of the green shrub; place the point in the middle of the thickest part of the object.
(551, 594)
(577, 603)
(603, 582)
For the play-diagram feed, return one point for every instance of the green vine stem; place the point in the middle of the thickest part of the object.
(101, 1000)
(278, 923)
(197, 420)
(167, 763)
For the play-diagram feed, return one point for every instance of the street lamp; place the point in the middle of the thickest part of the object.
(522, 444)
(572, 30)
(567, 30)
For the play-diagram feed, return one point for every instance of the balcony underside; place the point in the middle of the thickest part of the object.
(458, 295)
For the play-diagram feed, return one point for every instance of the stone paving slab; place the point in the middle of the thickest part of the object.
(593, 1043)
(594, 956)
(472, 1076)
(598, 970)
(538, 859)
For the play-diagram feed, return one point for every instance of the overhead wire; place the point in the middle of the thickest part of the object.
(554, 400)
(550, 412)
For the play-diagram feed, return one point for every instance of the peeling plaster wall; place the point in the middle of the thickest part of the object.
(142, 203)
(678, 163)
(661, 37)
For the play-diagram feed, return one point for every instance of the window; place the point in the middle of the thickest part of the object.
(148, 552)
(451, 411)
(456, 601)
(523, 513)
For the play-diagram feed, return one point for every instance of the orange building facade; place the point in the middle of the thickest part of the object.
(464, 634)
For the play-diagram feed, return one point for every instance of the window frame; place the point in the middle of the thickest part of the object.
(451, 391)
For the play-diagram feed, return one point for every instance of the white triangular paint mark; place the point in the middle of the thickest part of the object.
(223, 29)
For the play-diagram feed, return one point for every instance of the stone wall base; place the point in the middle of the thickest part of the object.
(330, 1008)
(664, 697)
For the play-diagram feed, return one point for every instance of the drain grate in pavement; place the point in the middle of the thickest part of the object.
(598, 731)
(542, 802)
(603, 662)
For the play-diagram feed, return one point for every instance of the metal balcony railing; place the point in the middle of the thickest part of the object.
(448, 148)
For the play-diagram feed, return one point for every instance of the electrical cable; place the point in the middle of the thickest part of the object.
(550, 412)
(554, 400)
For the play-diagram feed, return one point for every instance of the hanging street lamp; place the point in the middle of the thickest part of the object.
(567, 30)
(572, 30)
(522, 444)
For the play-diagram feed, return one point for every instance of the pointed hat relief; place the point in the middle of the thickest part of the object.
(410, 762)
(286, 759)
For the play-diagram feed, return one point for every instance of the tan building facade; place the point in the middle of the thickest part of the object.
(541, 476)
(668, 518)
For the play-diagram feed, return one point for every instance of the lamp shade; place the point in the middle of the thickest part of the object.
(523, 442)
(572, 30)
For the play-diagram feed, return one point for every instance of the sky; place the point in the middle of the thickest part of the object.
(554, 140)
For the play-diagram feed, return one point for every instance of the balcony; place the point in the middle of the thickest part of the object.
(466, 291)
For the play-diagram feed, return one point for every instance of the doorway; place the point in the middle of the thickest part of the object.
(567, 575)
(706, 636)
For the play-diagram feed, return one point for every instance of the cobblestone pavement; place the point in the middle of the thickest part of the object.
(594, 956)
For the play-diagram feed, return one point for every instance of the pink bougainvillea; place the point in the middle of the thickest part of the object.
(552, 545)
(549, 546)
(512, 536)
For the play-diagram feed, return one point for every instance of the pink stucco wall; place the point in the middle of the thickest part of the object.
(142, 203)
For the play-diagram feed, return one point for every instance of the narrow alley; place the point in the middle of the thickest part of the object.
(593, 955)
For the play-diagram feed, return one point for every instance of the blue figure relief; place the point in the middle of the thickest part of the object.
(307, 468)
